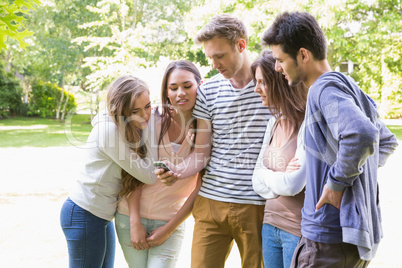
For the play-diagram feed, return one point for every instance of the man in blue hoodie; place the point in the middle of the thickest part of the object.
(345, 143)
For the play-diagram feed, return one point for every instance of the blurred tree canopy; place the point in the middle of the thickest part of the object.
(89, 42)
(138, 34)
(370, 35)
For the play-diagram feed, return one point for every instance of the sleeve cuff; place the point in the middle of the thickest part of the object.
(335, 186)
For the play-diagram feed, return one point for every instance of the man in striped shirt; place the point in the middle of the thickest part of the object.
(231, 123)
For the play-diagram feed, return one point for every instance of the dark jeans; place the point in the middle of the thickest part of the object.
(90, 239)
(313, 254)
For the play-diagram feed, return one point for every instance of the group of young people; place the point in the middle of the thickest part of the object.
(279, 155)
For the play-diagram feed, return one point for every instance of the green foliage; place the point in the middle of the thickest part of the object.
(211, 73)
(10, 95)
(90, 42)
(137, 34)
(53, 56)
(12, 20)
(369, 34)
(44, 97)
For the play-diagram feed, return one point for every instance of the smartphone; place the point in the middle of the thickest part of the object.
(160, 164)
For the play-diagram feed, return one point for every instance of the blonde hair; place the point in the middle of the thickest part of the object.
(120, 99)
(224, 26)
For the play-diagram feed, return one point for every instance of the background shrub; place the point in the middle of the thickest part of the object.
(44, 99)
(10, 95)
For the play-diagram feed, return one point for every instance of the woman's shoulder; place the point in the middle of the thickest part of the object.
(103, 123)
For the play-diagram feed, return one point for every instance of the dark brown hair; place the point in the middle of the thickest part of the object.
(166, 113)
(296, 30)
(283, 100)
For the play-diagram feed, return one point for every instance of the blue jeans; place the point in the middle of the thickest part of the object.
(164, 255)
(90, 240)
(278, 247)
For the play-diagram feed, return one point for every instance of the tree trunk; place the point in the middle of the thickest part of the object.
(61, 99)
(91, 104)
(63, 113)
(97, 102)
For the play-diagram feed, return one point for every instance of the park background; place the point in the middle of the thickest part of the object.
(58, 56)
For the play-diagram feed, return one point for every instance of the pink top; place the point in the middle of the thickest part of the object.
(283, 212)
(158, 201)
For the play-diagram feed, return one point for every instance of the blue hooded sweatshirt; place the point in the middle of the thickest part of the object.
(345, 143)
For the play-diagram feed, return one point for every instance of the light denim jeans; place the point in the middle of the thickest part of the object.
(163, 256)
(90, 239)
(278, 247)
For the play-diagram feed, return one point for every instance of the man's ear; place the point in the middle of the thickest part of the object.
(241, 44)
(304, 54)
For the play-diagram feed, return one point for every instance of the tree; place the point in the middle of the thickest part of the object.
(10, 95)
(54, 57)
(111, 37)
(369, 34)
(134, 35)
(12, 20)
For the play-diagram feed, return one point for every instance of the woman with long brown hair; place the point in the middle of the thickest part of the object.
(120, 140)
(149, 218)
(279, 175)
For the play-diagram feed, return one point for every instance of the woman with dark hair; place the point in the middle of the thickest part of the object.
(149, 221)
(279, 175)
(120, 136)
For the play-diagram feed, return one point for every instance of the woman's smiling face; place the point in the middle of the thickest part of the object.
(182, 89)
(141, 111)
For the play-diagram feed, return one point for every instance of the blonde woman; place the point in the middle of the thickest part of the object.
(120, 140)
(149, 221)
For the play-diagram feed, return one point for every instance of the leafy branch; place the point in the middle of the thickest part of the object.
(12, 20)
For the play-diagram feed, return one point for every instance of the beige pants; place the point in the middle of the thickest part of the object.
(217, 224)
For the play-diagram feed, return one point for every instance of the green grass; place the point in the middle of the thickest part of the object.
(397, 130)
(41, 132)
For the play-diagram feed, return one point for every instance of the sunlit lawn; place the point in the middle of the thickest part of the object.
(397, 130)
(40, 132)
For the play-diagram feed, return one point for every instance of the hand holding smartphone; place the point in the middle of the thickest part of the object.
(160, 164)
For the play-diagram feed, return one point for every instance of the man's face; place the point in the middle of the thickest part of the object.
(288, 66)
(226, 59)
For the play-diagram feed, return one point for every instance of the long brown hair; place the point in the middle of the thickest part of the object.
(120, 99)
(167, 109)
(283, 100)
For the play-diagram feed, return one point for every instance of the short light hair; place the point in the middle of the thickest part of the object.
(224, 26)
